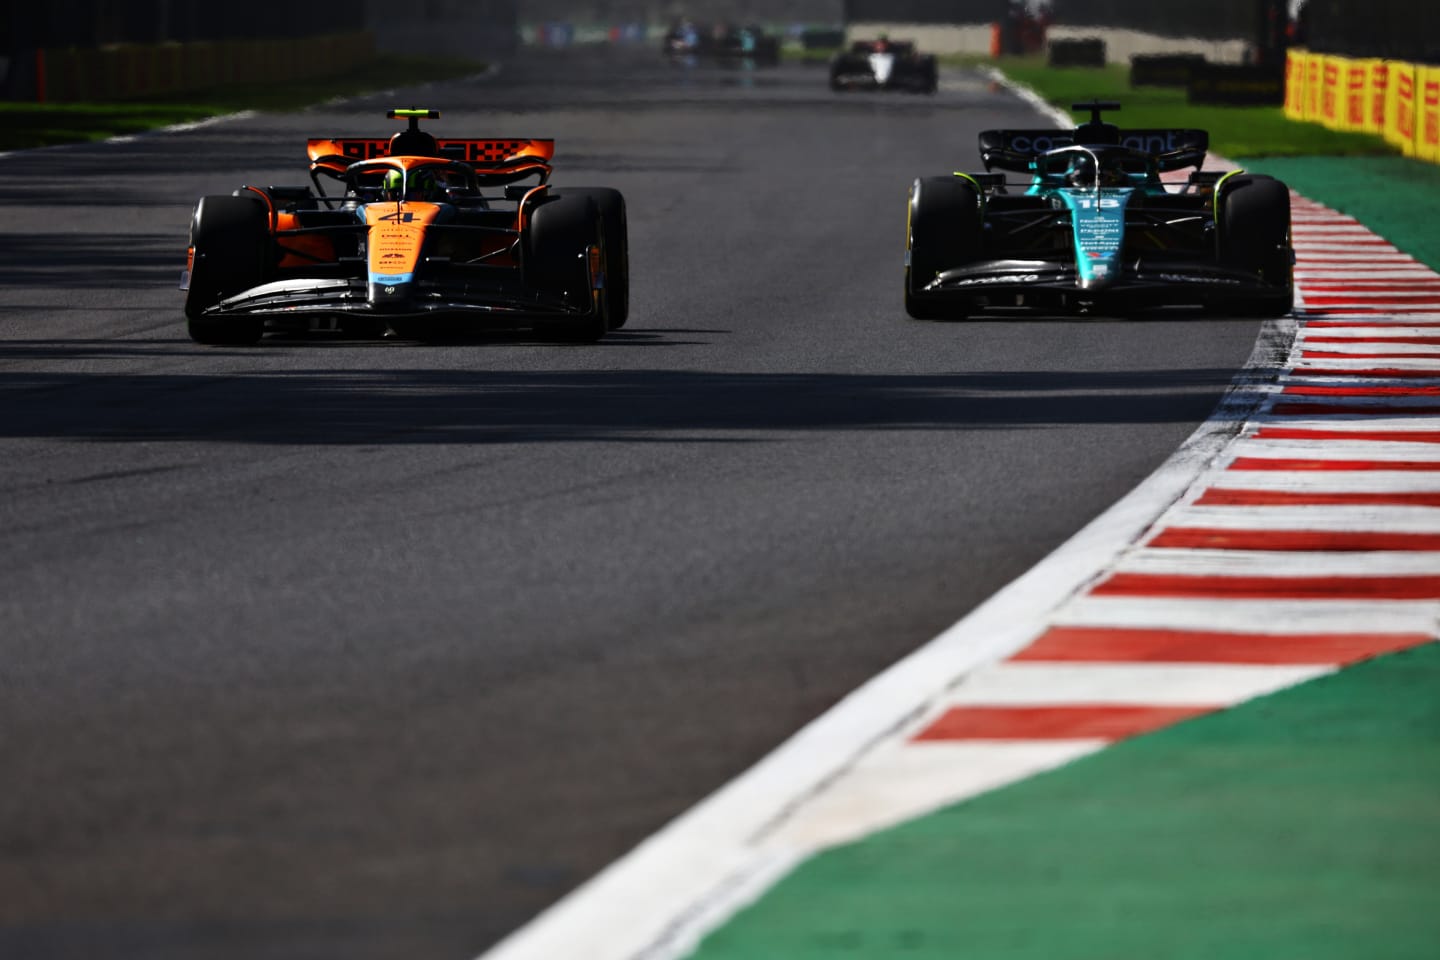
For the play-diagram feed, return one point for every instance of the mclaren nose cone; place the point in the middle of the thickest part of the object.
(386, 294)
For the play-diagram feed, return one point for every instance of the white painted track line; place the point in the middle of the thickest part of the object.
(895, 784)
(1173, 684)
(1332, 518)
(1278, 616)
(1266, 563)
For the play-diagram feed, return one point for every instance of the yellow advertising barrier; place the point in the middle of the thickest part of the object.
(1314, 66)
(1400, 112)
(1391, 98)
(1355, 77)
(1295, 61)
(1427, 120)
(1330, 92)
(1376, 91)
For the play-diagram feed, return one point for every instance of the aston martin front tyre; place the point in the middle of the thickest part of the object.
(943, 232)
(922, 307)
(1253, 226)
(1261, 307)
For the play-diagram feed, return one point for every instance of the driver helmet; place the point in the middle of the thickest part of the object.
(1082, 171)
(422, 185)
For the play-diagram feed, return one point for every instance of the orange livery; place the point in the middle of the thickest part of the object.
(426, 237)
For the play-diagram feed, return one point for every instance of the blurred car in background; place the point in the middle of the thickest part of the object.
(689, 41)
(884, 64)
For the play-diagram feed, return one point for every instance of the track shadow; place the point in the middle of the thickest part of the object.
(389, 406)
(92, 260)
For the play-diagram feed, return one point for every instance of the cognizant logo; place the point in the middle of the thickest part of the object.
(1028, 144)
(1148, 141)
(1154, 141)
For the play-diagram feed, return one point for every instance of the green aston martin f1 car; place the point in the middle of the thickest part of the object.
(1091, 226)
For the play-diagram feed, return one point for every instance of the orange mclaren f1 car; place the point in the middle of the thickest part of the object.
(429, 239)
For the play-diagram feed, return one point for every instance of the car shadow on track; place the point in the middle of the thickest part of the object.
(399, 406)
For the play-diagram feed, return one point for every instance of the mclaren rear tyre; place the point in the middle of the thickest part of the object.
(562, 232)
(943, 232)
(611, 204)
(231, 237)
(1253, 220)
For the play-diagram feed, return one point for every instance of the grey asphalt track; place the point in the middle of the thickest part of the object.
(338, 648)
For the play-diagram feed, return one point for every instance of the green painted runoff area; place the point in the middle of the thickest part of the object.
(1305, 824)
(1397, 197)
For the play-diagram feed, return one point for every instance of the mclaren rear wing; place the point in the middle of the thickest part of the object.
(332, 155)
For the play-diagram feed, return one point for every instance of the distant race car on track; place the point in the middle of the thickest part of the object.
(1092, 227)
(884, 64)
(428, 239)
(723, 43)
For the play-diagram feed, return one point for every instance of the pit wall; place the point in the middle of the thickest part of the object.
(1120, 45)
(1397, 100)
(128, 71)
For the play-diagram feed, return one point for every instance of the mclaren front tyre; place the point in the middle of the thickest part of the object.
(230, 239)
(565, 254)
(611, 204)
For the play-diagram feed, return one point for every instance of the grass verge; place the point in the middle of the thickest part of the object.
(1234, 131)
(26, 125)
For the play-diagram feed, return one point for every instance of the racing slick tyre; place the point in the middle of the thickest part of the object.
(231, 237)
(561, 233)
(943, 232)
(1253, 234)
(611, 204)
